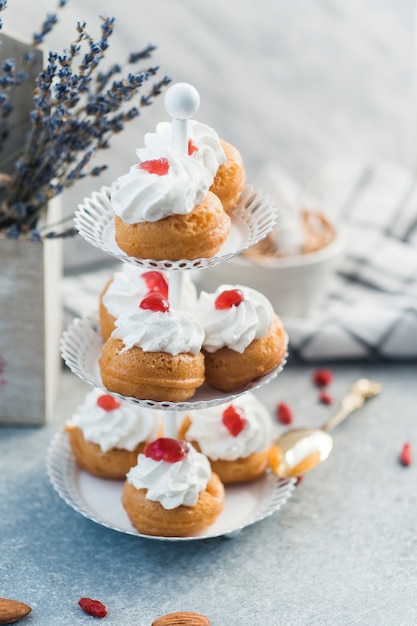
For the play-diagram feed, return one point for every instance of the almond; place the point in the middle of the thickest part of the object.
(182, 618)
(12, 611)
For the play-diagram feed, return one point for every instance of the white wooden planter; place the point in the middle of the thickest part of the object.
(30, 329)
(30, 273)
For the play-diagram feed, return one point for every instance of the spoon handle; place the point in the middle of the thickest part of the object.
(360, 391)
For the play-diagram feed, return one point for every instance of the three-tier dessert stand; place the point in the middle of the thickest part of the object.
(98, 499)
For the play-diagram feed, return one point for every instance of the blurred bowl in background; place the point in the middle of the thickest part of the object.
(295, 285)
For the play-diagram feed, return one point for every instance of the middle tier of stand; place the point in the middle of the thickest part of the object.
(81, 347)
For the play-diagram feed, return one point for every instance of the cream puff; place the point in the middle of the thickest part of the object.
(221, 158)
(243, 336)
(127, 287)
(236, 437)
(172, 491)
(230, 178)
(106, 434)
(154, 353)
(164, 210)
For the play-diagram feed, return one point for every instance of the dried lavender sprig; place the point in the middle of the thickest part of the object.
(47, 25)
(71, 121)
(73, 135)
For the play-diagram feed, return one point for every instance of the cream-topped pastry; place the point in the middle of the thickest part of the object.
(155, 189)
(210, 430)
(154, 353)
(172, 484)
(171, 331)
(203, 145)
(107, 433)
(164, 210)
(172, 490)
(244, 339)
(128, 286)
(221, 158)
(124, 426)
(235, 326)
(235, 436)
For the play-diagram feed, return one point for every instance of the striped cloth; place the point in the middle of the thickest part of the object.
(370, 310)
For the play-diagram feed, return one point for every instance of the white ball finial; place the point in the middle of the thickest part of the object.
(182, 101)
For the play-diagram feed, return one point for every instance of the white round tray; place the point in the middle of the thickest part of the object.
(252, 219)
(81, 346)
(100, 500)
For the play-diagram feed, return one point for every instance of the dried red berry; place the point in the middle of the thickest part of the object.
(156, 282)
(322, 377)
(166, 449)
(234, 419)
(155, 302)
(325, 398)
(228, 298)
(284, 413)
(93, 607)
(155, 166)
(405, 455)
(191, 147)
(108, 403)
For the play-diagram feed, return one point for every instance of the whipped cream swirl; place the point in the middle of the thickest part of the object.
(124, 427)
(238, 326)
(172, 484)
(209, 150)
(172, 331)
(216, 442)
(127, 289)
(142, 196)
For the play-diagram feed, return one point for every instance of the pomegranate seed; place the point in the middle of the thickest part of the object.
(92, 607)
(284, 413)
(228, 298)
(108, 403)
(166, 449)
(156, 282)
(325, 398)
(191, 147)
(322, 377)
(155, 166)
(155, 302)
(298, 480)
(405, 455)
(234, 419)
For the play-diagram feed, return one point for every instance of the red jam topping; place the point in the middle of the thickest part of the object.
(191, 147)
(155, 166)
(156, 282)
(234, 420)
(229, 298)
(166, 449)
(155, 302)
(108, 403)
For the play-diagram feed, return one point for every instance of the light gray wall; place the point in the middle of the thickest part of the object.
(295, 83)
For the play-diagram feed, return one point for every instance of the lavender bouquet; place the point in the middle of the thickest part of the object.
(77, 108)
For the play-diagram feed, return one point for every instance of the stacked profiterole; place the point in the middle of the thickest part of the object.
(163, 341)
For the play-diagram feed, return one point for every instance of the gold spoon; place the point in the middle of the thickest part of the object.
(299, 450)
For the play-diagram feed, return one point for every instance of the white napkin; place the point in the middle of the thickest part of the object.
(370, 310)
